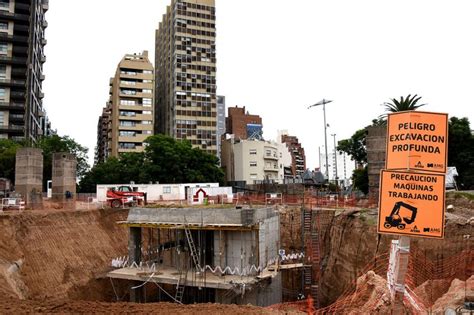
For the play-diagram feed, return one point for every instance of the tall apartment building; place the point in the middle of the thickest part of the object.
(127, 119)
(298, 158)
(242, 124)
(185, 80)
(220, 122)
(22, 41)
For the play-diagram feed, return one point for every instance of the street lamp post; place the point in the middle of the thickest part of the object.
(324, 102)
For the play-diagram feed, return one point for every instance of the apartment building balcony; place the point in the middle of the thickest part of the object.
(16, 117)
(18, 72)
(12, 128)
(20, 50)
(44, 41)
(44, 24)
(271, 157)
(42, 77)
(13, 16)
(11, 105)
(41, 95)
(13, 38)
(13, 60)
(43, 59)
(270, 168)
(17, 95)
(9, 82)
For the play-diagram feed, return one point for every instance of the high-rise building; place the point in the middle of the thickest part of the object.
(22, 41)
(242, 124)
(185, 80)
(127, 119)
(220, 122)
(298, 158)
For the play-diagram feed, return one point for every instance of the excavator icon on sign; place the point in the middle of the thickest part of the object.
(395, 220)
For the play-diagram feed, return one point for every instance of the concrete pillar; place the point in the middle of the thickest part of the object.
(29, 176)
(134, 255)
(376, 149)
(64, 179)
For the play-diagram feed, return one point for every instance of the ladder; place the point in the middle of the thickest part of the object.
(192, 249)
(307, 220)
(180, 287)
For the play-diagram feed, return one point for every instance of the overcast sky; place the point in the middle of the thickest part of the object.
(276, 57)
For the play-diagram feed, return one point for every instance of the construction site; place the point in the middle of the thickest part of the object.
(289, 249)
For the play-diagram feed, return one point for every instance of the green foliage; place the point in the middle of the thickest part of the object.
(404, 104)
(55, 144)
(165, 160)
(461, 151)
(360, 178)
(7, 158)
(355, 146)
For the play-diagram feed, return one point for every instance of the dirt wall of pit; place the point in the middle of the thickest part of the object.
(59, 254)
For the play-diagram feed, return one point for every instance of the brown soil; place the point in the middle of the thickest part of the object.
(68, 306)
(458, 292)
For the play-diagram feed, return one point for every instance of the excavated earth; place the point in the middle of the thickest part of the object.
(55, 261)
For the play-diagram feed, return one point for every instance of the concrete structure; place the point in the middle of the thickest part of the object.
(230, 254)
(376, 148)
(298, 158)
(29, 176)
(254, 160)
(64, 179)
(185, 54)
(242, 124)
(220, 122)
(22, 41)
(127, 119)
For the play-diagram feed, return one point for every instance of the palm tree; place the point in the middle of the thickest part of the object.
(409, 103)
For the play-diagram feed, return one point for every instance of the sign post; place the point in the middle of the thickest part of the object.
(412, 192)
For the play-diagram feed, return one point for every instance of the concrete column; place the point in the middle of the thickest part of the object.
(134, 255)
(29, 176)
(64, 179)
(376, 150)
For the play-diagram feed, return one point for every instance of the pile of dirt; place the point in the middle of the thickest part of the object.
(68, 306)
(432, 290)
(459, 292)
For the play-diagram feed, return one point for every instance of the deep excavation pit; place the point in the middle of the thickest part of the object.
(56, 261)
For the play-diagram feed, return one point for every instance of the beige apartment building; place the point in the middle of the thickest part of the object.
(252, 160)
(185, 54)
(127, 119)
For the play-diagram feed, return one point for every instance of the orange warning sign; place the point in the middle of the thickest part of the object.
(411, 204)
(417, 141)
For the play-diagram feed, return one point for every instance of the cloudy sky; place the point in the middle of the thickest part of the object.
(276, 57)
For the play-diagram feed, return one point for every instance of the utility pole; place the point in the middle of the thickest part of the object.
(324, 102)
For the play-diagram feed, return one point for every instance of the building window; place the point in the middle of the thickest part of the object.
(3, 26)
(253, 151)
(123, 133)
(127, 102)
(2, 118)
(146, 102)
(146, 112)
(147, 91)
(147, 71)
(127, 123)
(268, 152)
(128, 92)
(4, 4)
(146, 132)
(127, 145)
(3, 48)
(125, 82)
(253, 176)
(146, 122)
(166, 189)
(2, 94)
(253, 163)
(127, 113)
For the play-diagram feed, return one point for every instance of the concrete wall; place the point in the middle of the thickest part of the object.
(269, 240)
(376, 148)
(206, 216)
(64, 177)
(266, 293)
(235, 249)
(29, 176)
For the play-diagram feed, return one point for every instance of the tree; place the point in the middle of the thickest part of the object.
(461, 151)
(165, 160)
(7, 158)
(409, 103)
(173, 161)
(355, 146)
(54, 144)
